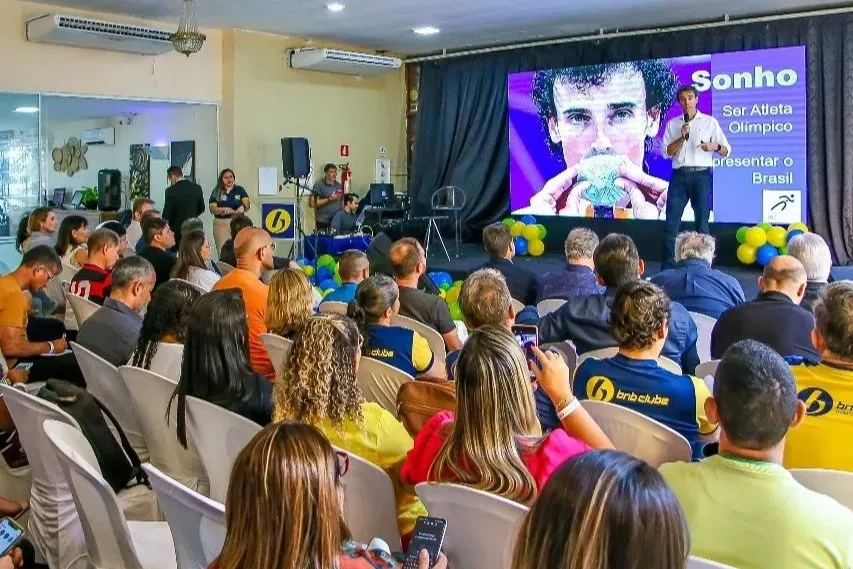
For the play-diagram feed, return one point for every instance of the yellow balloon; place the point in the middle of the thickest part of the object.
(799, 225)
(452, 295)
(755, 237)
(308, 270)
(746, 254)
(777, 236)
(536, 247)
(531, 233)
(517, 229)
(441, 293)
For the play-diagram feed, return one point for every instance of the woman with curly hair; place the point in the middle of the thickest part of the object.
(319, 387)
(193, 255)
(165, 322)
(290, 303)
(71, 240)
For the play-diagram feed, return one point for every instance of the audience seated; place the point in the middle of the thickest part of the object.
(254, 248)
(134, 230)
(94, 279)
(124, 250)
(319, 387)
(408, 263)
(743, 508)
(150, 214)
(693, 283)
(494, 442)
(812, 251)
(165, 322)
(584, 320)
(39, 228)
(71, 240)
(774, 317)
(377, 301)
(158, 240)
(112, 332)
(603, 509)
(236, 224)
(216, 366)
(290, 303)
(284, 508)
(578, 278)
(193, 258)
(826, 389)
(633, 378)
(523, 283)
(353, 268)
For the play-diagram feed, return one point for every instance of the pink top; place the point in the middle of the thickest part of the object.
(556, 448)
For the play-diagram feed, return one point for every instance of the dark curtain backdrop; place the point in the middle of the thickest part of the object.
(462, 118)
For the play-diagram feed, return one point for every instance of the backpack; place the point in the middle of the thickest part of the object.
(119, 463)
(419, 400)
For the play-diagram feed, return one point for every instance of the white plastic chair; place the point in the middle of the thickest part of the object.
(111, 540)
(604, 353)
(201, 289)
(705, 325)
(333, 307)
(638, 435)
(433, 338)
(197, 523)
(224, 268)
(83, 307)
(15, 483)
(380, 382)
(549, 305)
(369, 505)
(278, 348)
(706, 372)
(167, 360)
(150, 395)
(481, 527)
(517, 305)
(103, 381)
(836, 484)
(694, 562)
(219, 436)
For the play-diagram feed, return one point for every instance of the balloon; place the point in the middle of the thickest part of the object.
(338, 279)
(440, 278)
(765, 253)
(442, 293)
(328, 284)
(327, 292)
(308, 270)
(302, 261)
(325, 260)
(324, 273)
(458, 284)
(455, 311)
(517, 228)
(741, 234)
(793, 233)
(444, 286)
(536, 247)
(542, 231)
(776, 236)
(520, 245)
(765, 226)
(531, 233)
(755, 237)
(746, 254)
(508, 221)
(528, 220)
(452, 295)
(783, 250)
(799, 225)
(337, 267)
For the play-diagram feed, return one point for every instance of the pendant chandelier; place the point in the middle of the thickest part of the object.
(188, 39)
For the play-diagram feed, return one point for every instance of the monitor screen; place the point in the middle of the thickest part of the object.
(77, 199)
(58, 196)
(381, 194)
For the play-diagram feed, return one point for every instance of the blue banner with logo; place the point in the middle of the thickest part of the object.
(277, 219)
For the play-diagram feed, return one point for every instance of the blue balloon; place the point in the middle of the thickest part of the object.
(312, 280)
(765, 253)
(328, 284)
(440, 277)
(793, 233)
(303, 262)
(528, 220)
(324, 273)
(520, 245)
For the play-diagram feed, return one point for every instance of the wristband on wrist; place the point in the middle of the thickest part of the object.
(50, 344)
(567, 410)
(719, 147)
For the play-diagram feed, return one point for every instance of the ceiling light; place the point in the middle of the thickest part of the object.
(426, 30)
(335, 6)
(27, 110)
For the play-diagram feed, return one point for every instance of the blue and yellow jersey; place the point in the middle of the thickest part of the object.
(400, 347)
(822, 440)
(677, 401)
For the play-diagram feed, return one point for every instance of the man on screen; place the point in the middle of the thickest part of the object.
(603, 119)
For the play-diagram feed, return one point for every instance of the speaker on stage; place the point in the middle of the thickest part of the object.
(295, 157)
(109, 190)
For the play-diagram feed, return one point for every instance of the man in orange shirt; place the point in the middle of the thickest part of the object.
(253, 248)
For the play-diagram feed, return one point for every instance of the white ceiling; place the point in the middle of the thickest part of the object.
(386, 24)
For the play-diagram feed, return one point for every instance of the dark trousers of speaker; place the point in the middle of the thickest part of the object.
(295, 157)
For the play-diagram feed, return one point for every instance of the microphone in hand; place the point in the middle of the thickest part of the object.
(686, 121)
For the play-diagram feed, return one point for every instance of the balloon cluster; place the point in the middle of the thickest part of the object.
(527, 235)
(326, 277)
(449, 291)
(760, 243)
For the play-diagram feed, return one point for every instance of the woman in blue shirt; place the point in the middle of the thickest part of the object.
(226, 199)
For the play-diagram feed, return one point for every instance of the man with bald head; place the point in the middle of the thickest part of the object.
(253, 248)
(775, 318)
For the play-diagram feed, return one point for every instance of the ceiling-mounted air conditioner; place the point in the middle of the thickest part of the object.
(98, 34)
(339, 61)
(99, 136)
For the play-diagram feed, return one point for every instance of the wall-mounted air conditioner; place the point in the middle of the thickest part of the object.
(97, 34)
(339, 61)
(99, 136)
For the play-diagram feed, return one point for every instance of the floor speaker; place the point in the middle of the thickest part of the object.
(295, 157)
(109, 190)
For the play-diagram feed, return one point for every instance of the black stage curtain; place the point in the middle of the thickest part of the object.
(462, 119)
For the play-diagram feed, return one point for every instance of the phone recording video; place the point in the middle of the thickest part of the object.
(11, 535)
(428, 534)
(527, 336)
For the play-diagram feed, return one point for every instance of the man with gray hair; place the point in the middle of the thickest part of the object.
(113, 331)
(693, 283)
(578, 278)
(813, 252)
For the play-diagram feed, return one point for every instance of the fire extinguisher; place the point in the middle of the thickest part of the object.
(346, 176)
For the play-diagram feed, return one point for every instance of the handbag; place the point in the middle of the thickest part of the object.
(419, 400)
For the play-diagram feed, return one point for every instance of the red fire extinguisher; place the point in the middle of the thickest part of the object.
(346, 176)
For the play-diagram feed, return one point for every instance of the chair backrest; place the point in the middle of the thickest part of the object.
(481, 527)
(197, 522)
(568, 351)
(167, 360)
(219, 436)
(369, 505)
(836, 484)
(705, 325)
(103, 381)
(549, 305)
(199, 288)
(706, 369)
(638, 435)
(104, 525)
(150, 394)
(83, 307)
(603, 353)
(448, 197)
(433, 338)
(224, 267)
(278, 348)
(694, 562)
(333, 307)
(517, 305)
(380, 382)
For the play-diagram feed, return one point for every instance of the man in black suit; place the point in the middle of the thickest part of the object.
(184, 199)
(523, 283)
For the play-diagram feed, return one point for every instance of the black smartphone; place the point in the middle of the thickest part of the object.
(11, 535)
(527, 336)
(428, 534)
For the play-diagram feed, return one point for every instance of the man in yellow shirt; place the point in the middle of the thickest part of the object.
(826, 389)
(743, 508)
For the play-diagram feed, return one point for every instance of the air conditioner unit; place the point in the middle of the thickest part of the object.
(97, 34)
(339, 61)
(99, 136)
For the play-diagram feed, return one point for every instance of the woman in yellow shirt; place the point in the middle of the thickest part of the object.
(318, 387)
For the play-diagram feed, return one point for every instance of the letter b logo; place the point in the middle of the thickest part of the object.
(818, 402)
(600, 388)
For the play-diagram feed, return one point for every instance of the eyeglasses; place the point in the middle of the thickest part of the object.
(50, 273)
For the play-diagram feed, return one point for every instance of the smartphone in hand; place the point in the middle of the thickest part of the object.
(11, 534)
(428, 534)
